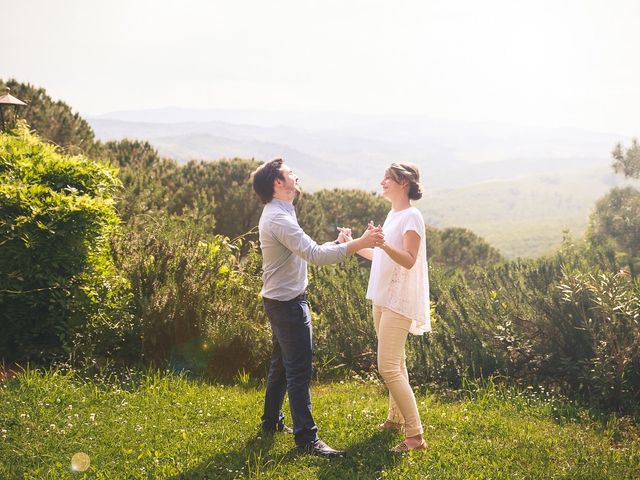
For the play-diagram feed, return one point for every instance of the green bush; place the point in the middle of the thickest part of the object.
(605, 309)
(525, 322)
(196, 302)
(342, 318)
(56, 274)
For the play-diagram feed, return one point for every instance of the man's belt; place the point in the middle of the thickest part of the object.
(302, 296)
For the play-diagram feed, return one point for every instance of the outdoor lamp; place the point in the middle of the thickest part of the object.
(6, 102)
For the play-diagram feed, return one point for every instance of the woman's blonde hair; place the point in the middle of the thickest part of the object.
(407, 172)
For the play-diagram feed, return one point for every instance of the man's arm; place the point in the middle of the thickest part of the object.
(363, 245)
(289, 233)
(366, 252)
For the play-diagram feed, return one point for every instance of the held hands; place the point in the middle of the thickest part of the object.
(372, 236)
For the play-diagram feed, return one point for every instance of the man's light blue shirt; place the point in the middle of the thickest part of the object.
(286, 249)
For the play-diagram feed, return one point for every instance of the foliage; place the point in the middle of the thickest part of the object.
(143, 173)
(53, 120)
(227, 185)
(343, 324)
(322, 212)
(606, 308)
(551, 321)
(56, 215)
(181, 283)
(627, 162)
(615, 221)
(455, 247)
(196, 301)
(158, 425)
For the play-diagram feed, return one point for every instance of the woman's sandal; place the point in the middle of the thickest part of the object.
(392, 426)
(402, 447)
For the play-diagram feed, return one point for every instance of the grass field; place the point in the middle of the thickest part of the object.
(166, 426)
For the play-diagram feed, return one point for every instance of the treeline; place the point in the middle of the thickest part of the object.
(119, 256)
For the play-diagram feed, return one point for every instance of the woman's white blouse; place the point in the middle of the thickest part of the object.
(390, 285)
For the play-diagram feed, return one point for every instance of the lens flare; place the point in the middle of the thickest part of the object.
(80, 462)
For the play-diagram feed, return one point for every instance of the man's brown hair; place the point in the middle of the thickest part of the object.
(263, 178)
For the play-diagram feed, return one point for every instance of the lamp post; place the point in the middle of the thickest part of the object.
(6, 101)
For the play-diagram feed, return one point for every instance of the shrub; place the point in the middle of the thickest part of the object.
(605, 308)
(56, 274)
(196, 302)
(343, 322)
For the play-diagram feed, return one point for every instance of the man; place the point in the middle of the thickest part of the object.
(286, 249)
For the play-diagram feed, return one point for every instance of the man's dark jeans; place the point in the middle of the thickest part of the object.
(290, 370)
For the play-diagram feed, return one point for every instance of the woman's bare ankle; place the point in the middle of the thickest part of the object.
(414, 441)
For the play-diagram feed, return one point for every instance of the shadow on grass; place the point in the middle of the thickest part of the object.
(228, 465)
(366, 459)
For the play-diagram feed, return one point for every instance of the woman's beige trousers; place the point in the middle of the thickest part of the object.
(392, 330)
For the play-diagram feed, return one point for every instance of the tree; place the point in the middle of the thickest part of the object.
(53, 120)
(615, 221)
(460, 247)
(214, 197)
(224, 187)
(322, 212)
(144, 176)
(627, 163)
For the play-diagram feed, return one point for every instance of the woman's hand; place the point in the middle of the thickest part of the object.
(363, 245)
(372, 236)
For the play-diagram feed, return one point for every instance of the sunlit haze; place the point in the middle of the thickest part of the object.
(543, 63)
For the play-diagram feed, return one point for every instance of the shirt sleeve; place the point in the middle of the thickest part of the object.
(287, 231)
(414, 222)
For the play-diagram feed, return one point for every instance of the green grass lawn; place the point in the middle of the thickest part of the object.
(166, 426)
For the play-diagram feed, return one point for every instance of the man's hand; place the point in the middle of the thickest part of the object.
(344, 235)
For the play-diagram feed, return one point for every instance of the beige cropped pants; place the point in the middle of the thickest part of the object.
(392, 330)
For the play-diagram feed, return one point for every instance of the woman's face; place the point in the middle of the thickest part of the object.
(390, 187)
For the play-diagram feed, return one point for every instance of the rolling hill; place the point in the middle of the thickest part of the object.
(517, 186)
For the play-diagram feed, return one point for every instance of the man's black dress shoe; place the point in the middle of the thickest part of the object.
(321, 449)
(279, 428)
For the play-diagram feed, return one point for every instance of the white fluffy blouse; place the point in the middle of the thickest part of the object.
(390, 285)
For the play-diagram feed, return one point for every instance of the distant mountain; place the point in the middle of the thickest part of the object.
(493, 178)
(353, 150)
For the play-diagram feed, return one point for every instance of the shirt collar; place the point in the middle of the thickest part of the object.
(288, 207)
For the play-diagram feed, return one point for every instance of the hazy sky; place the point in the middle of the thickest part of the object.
(540, 62)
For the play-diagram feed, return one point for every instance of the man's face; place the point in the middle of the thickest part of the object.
(288, 184)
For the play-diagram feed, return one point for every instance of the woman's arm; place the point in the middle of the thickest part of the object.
(366, 253)
(407, 256)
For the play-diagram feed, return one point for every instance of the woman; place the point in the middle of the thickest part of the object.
(399, 290)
